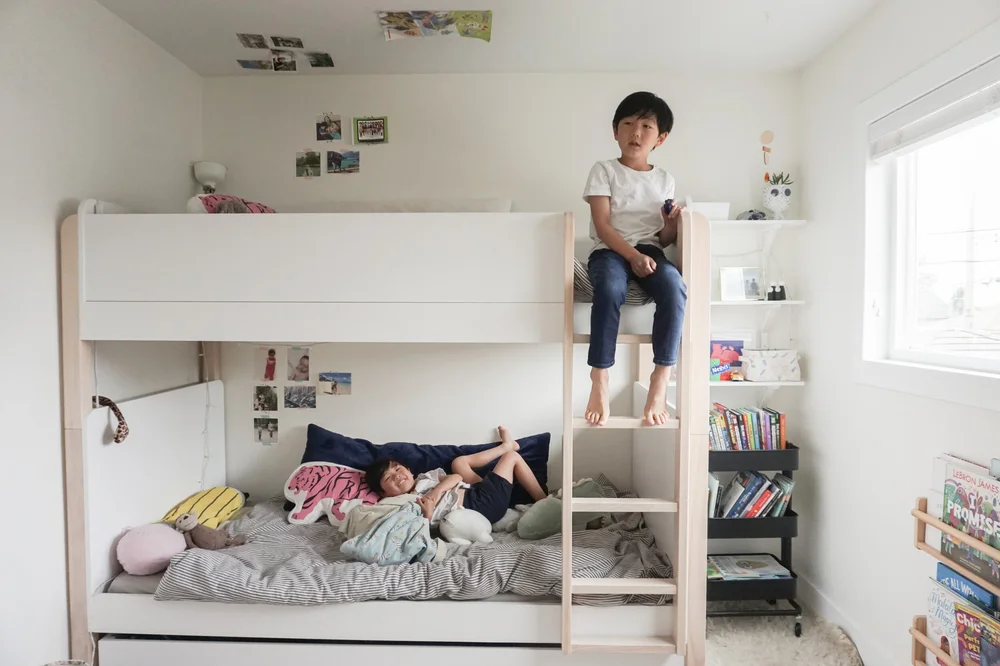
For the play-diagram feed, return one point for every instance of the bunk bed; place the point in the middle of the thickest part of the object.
(190, 278)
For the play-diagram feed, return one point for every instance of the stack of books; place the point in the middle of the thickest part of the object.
(745, 567)
(745, 429)
(749, 495)
(963, 620)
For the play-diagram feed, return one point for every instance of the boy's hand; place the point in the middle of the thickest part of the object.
(674, 215)
(427, 504)
(642, 265)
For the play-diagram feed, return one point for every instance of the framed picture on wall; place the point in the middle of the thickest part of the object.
(371, 130)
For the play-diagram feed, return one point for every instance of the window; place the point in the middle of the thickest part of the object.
(937, 163)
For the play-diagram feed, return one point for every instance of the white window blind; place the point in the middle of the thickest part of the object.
(975, 94)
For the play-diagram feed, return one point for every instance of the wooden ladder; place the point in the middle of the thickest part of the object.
(689, 426)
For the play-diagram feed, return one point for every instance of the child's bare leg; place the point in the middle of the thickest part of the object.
(656, 403)
(512, 466)
(464, 465)
(599, 405)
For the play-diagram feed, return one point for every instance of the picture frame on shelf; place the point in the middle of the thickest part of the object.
(742, 283)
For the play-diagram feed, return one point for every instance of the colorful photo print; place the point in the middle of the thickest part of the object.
(265, 364)
(407, 25)
(335, 383)
(328, 127)
(343, 161)
(252, 41)
(256, 64)
(371, 130)
(317, 59)
(307, 164)
(265, 430)
(265, 398)
(287, 42)
(300, 396)
(298, 364)
(284, 61)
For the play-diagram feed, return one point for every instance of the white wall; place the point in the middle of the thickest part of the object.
(866, 452)
(91, 109)
(529, 138)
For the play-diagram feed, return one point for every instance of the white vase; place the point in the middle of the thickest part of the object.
(776, 199)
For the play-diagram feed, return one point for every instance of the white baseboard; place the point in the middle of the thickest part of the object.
(872, 651)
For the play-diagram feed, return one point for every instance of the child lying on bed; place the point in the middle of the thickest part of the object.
(439, 493)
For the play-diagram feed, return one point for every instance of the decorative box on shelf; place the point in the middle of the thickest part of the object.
(771, 365)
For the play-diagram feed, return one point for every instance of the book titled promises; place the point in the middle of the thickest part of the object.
(971, 503)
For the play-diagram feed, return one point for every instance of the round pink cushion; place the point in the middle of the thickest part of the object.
(147, 549)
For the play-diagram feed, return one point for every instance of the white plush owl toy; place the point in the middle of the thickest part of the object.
(777, 194)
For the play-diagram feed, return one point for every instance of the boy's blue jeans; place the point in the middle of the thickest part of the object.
(609, 273)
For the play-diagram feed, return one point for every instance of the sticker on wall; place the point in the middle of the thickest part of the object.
(287, 42)
(371, 129)
(300, 396)
(328, 127)
(265, 430)
(343, 161)
(265, 364)
(265, 398)
(411, 24)
(284, 61)
(252, 41)
(307, 164)
(318, 59)
(256, 64)
(335, 383)
(298, 364)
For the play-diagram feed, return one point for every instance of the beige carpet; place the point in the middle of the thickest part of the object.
(770, 641)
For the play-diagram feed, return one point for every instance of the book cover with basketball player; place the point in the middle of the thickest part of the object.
(971, 504)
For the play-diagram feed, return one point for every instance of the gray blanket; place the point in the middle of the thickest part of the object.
(303, 565)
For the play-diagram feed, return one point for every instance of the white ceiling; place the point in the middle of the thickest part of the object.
(528, 35)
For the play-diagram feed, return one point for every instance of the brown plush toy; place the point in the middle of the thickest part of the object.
(197, 535)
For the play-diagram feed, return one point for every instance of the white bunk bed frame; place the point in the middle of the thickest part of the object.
(187, 278)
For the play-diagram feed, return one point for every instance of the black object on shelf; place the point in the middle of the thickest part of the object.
(785, 528)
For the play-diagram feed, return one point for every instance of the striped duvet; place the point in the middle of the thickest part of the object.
(303, 565)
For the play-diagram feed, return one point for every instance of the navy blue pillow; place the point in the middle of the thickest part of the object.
(325, 446)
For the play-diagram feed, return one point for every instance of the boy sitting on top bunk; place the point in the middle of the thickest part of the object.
(438, 493)
(631, 225)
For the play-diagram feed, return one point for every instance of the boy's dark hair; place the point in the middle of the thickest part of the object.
(374, 472)
(645, 105)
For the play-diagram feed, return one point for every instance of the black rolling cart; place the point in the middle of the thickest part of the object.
(785, 528)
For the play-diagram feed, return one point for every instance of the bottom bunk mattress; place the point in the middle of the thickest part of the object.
(302, 565)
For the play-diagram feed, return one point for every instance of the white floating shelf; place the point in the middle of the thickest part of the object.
(759, 304)
(755, 224)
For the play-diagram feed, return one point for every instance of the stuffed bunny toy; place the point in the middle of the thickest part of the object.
(197, 535)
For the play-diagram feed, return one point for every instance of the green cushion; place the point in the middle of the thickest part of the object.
(544, 518)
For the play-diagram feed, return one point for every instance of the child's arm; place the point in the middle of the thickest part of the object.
(446, 484)
(600, 211)
(668, 234)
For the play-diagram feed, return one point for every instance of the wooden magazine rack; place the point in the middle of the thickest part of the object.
(921, 643)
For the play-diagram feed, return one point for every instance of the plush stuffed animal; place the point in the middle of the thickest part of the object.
(465, 527)
(197, 535)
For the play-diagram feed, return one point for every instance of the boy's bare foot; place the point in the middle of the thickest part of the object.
(506, 441)
(656, 404)
(599, 405)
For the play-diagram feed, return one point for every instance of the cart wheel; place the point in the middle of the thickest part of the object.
(798, 629)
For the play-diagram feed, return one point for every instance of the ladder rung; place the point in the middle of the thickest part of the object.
(624, 505)
(634, 644)
(625, 339)
(624, 586)
(626, 423)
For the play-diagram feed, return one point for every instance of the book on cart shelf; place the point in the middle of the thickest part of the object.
(971, 503)
(745, 429)
(745, 567)
(749, 495)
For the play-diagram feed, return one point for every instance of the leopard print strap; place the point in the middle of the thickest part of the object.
(121, 431)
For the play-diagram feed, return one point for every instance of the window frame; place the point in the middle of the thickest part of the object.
(879, 361)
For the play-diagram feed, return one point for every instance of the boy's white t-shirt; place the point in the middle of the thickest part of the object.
(637, 198)
(450, 500)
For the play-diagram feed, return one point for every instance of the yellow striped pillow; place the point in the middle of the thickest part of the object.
(213, 506)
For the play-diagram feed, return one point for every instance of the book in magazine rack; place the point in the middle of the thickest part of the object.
(925, 652)
(175, 277)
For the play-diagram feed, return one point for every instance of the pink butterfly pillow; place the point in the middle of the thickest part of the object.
(323, 489)
(209, 203)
